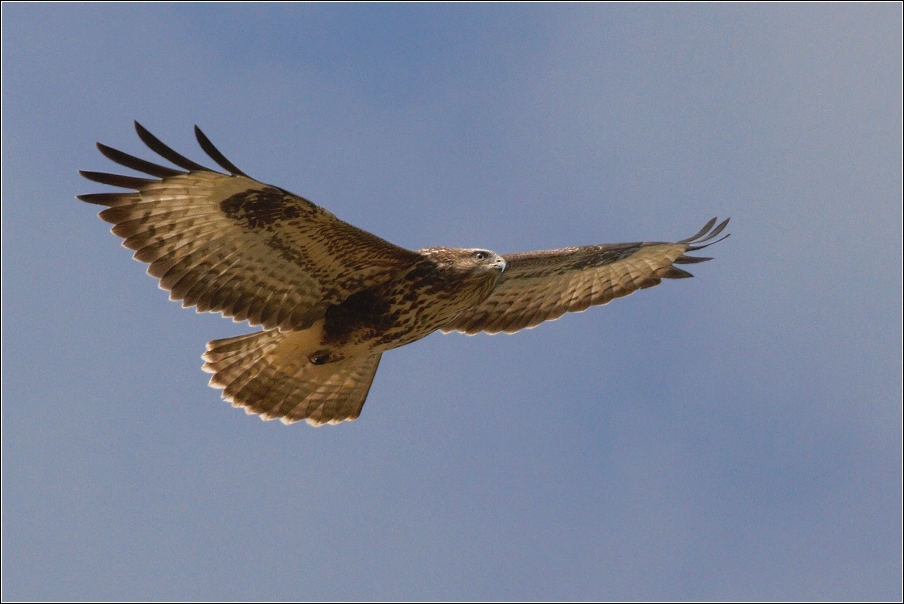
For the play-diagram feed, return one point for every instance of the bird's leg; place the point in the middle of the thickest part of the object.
(324, 356)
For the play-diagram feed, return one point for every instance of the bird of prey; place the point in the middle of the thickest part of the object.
(332, 298)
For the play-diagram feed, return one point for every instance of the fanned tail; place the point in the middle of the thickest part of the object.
(268, 373)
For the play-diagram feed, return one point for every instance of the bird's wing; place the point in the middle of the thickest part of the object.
(228, 243)
(264, 373)
(544, 285)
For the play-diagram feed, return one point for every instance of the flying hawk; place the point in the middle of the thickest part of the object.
(331, 298)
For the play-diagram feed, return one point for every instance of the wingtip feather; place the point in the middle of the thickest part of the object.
(164, 151)
(215, 153)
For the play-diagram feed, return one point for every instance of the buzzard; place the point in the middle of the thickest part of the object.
(332, 298)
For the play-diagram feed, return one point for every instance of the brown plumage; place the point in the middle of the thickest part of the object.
(331, 297)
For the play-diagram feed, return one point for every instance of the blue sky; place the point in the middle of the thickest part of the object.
(733, 436)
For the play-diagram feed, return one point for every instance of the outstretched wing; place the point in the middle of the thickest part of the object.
(228, 243)
(542, 286)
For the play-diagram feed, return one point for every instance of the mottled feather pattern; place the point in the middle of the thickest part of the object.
(330, 296)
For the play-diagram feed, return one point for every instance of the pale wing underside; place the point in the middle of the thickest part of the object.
(265, 374)
(230, 244)
(542, 286)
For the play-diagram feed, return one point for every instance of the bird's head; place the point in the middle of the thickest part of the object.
(467, 261)
(474, 271)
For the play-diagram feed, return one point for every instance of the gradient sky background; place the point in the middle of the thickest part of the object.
(735, 436)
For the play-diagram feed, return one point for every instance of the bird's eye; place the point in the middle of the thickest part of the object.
(480, 255)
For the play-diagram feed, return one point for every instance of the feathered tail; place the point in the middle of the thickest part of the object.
(269, 374)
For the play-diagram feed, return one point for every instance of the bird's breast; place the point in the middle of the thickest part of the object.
(399, 312)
